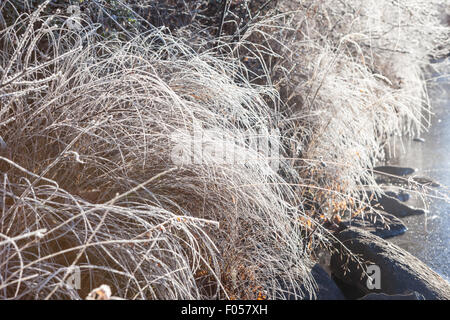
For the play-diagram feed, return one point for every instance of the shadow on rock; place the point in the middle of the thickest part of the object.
(325, 289)
(379, 223)
(394, 170)
(395, 207)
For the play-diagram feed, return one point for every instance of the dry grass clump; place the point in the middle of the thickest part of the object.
(102, 171)
(89, 178)
(350, 75)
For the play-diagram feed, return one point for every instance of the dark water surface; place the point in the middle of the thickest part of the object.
(428, 237)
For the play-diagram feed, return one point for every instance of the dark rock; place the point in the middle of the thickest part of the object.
(417, 139)
(403, 197)
(326, 288)
(395, 207)
(350, 291)
(394, 170)
(382, 296)
(385, 180)
(400, 272)
(396, 192)
(426, 181)
(379, 223)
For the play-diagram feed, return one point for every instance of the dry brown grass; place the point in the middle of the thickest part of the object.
(90, 126)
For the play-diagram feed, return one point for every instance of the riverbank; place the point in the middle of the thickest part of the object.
(209, 150)
(425, 236)
(428, 237)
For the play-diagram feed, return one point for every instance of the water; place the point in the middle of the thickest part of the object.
(428, 237)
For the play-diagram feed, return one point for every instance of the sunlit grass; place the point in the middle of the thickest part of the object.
(87, 174)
